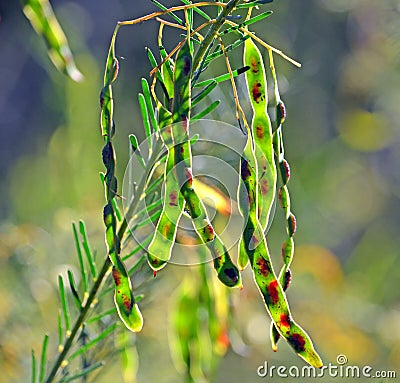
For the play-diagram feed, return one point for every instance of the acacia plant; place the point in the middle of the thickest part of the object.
(173, 99)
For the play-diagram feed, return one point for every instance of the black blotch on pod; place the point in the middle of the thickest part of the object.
(287, 280)
(232, 275)
(245, 171)
(107, 155)
(297, 341)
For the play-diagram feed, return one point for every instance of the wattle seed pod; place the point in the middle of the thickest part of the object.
(160, 248)
(266, 280)
(226, 270)
(123, 296)
(261, 132)
(127, 309)
(261, 129)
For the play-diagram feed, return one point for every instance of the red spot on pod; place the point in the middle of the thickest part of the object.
(297, 341)
(281, 112)
(287, 280)
(209, 232)
(127, 302)
(260, 131)
(273, 291)
(155, 273)
(284, 320)
(116, 276)
(264, 267)
(292, 225)
(256, 92)
(264, 186)
(255, 65)
(285, 170)
(189, 177)
(173, 197)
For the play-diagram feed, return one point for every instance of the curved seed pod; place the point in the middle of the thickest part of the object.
(265, 278)
(160, 248)
(261, 132)
(283, 196)
(226, 270)
(261, 129)
(127, 309)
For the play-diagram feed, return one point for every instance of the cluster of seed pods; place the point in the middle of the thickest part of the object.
(182, 180)
(123, 296)
(262, 160)
(256, 161)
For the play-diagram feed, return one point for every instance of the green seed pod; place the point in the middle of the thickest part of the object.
(261, 130)
(284, 197)
(227, 272)
(267, 282)
(128, 311)
(261, 141)
(160, 248)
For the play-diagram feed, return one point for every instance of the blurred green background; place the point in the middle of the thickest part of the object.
(342, 141)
